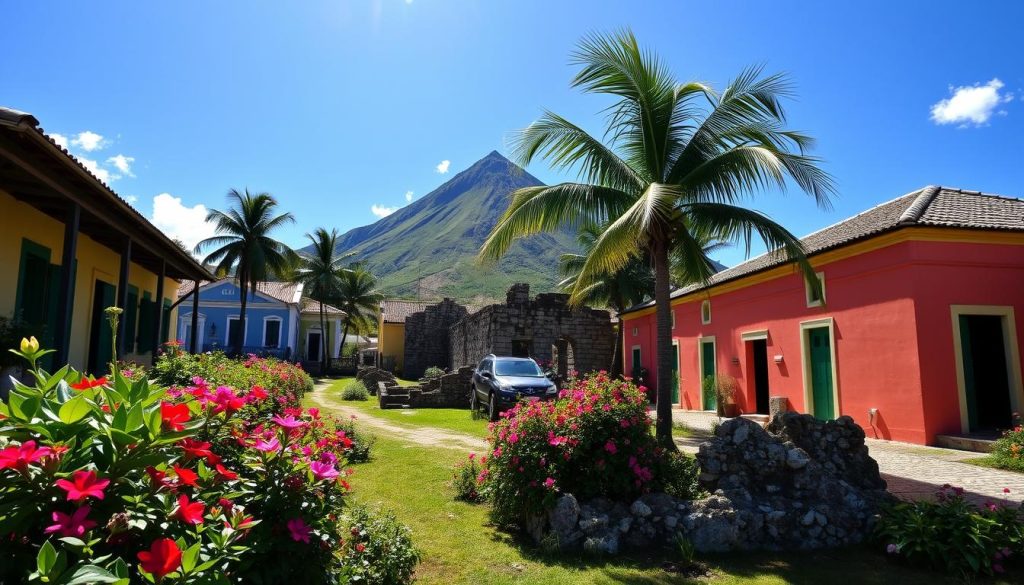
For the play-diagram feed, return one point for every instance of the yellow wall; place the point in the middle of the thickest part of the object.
(95, 262)
(391, 342)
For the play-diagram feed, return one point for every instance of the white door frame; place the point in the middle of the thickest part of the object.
(805, 358)
(1010, 346)
(311, 331)
(700, 363)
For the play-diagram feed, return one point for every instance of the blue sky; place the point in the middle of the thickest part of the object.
(336, 107)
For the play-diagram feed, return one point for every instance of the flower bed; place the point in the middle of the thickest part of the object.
(109, 479)
(594, 441)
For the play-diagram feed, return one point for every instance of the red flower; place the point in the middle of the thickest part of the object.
(225, 473)
(258, 393)
(189, 512)
(174, 415)
(85, 383)
(83, 484)
(186, 476)
(226, 400)
(19, 458)
(195, 449)
(163, 557)
(360, 547)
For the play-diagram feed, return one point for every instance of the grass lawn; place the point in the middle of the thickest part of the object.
(452, 419)
(459, 546)
(992, 462)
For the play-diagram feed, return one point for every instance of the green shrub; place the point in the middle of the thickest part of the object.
(951, 534)
(354, 390)
(464, 481)
(594, 441)
(362, 443)
(1008, 452)
(378, 549)
(678, 473)
(433, 372)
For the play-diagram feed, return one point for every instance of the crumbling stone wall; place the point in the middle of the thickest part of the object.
(370, 376)
(801, 484)
(426, 337)
(447, 391)
(532, 327)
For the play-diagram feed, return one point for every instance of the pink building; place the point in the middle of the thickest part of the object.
(915, 333)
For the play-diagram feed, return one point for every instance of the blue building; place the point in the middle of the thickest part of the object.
(278, 320)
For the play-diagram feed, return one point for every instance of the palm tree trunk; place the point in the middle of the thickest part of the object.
(620, 340)
(663, 315)
(244, 290)
(344, 336)
(323, 341)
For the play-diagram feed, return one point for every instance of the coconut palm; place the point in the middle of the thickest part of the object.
(243, 245)
(619, 290)
(678, 163)
(358, 297)
(320, 271)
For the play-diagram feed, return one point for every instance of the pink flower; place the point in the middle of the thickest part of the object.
(1006, 490)
(226, 401)
(549, 483)
(513, 439)
(323, 470)
(472, 456)
(610, 447)
(74, 524)
(299, 530)
(19, 458)
(267, 446)
(83, 484)
(287, 422)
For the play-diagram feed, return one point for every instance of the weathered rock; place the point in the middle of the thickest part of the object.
(640, 509)
(564, 515)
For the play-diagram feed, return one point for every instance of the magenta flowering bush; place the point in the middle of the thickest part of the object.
(953, 535)
(117, 481)
(595, 440)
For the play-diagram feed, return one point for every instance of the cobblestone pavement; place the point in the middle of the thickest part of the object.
(912, 471)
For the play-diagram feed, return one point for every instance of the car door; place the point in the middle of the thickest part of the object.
(479, 381)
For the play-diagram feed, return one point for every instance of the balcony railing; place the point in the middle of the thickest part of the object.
(281, 353)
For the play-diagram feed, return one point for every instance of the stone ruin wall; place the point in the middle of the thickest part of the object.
(426, 337)
(525, 326)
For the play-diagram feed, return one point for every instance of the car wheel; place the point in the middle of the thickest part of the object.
(474, 401)
(492, 407)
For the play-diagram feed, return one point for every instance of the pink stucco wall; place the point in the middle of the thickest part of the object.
(893, 332)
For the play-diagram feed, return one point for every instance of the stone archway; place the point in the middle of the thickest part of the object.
(563, 356)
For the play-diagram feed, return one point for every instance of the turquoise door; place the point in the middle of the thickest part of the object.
(821, 373)
(707, 357)
(675, 374)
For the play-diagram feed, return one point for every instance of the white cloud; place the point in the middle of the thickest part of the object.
(971, 104)
(131, 199)
(181, 222)
(89, 141)
(408, 196)
(442, 167)
(122, 163)
(381, 211)
(60, 139)
(100, 172)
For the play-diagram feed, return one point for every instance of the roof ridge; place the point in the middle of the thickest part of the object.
(916, 209)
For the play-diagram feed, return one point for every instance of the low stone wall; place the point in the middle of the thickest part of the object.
(371, 376)
(801, 484)
(447, 391)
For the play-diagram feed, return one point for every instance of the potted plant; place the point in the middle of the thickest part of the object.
(725, 391)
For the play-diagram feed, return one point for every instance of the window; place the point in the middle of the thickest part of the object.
(815, 298)
(147, 323)
(272, 332)
(705, 313)
(235, 333)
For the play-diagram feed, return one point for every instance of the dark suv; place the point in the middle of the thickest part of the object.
(500, 382)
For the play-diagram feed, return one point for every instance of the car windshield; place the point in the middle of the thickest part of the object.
(517, 368)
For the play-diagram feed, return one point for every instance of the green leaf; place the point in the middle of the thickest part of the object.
(155, 422)
(72, 541)
(120, 419)
(74, 410)
(64, 391)
(92, 574)
(189, 557)
(46, 558)
(135, 418)
(55, 379)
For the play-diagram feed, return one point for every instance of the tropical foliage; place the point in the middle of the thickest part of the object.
(359, 298)
(320, 271)
(680, 161)
(244, 245)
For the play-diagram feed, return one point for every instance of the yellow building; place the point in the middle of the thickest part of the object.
(391, 331)
(70, 247)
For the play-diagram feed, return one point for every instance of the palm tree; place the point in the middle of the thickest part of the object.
(243, 244)
(630, 285)
(320, 271)
(358, 297)
(679, 162)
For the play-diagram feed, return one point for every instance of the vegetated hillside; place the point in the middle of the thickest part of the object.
(428, 248)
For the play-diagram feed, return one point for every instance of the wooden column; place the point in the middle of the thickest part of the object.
(159, 309)
(194, 340)
(66, 292)
(122, 296)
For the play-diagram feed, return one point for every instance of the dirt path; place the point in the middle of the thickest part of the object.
(428, 436)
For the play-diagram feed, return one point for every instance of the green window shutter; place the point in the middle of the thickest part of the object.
(131, 318)
(146, 324)
(165, 324)
(32, 299)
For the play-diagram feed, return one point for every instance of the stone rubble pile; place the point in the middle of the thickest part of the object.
(801, 484)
